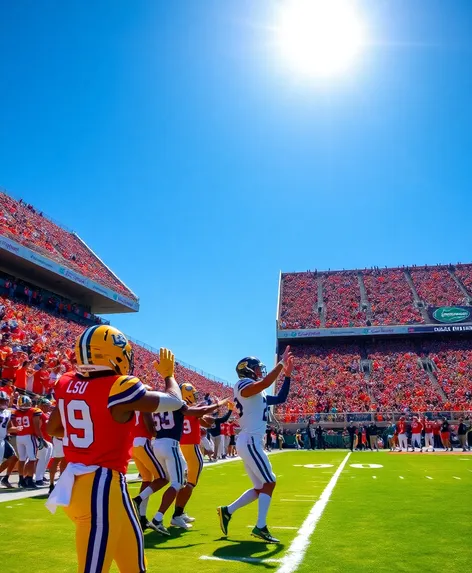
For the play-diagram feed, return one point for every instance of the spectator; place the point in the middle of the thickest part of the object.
(462, 435)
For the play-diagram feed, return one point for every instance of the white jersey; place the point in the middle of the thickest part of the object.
(252, 411)
(5, 417)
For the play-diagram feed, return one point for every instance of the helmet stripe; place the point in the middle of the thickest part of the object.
(80, 346)
(85, 353)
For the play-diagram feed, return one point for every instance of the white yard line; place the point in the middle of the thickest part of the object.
(401, 477)
(428, 477)
(455, 477)
(236, 559)
(298, 547)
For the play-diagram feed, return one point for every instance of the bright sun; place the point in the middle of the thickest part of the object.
(320, 37)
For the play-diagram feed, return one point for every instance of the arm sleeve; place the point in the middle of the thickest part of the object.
(282, 395)
(224, 418)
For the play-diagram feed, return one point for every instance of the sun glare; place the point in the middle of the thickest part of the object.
(320, 37)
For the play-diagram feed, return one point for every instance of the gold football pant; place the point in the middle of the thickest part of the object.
(107, 527)
(193, 457)
(147, 464)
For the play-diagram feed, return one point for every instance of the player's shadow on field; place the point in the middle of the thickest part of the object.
(154, 540)
(250, 550)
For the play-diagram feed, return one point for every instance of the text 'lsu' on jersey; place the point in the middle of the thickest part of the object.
(252, 411)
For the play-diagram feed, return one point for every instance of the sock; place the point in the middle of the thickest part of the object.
(143, 507)
(146, 493)
(248, 497)
(158, 517)
(264, 504)
(178, 511)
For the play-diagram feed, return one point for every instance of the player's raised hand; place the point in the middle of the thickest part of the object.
(286, 354)
(288, 366)
(165, 366)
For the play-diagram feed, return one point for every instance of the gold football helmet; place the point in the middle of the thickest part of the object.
(189, 393)
(103, 348)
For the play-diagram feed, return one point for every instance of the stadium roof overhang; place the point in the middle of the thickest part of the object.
(63, 282)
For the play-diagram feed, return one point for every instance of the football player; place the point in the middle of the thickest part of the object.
(190, 446)
(6, 450)
(252, 403)
(45, 453)
(28, 439)
(94, 416)
(169, 428)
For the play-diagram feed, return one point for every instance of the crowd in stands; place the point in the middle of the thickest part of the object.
(36, 347)
(453, 370)
(398, 379)
(330, 379)
(464, 273)
(326, 379)
(436, 287)
(341, 296)
(390, 297)
(25, 225)
(299, 304)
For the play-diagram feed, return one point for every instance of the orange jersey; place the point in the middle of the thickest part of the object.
(24, 419)
(91, 435)
(140, 429)
(416, 427)
(401, 427)
(191, 432)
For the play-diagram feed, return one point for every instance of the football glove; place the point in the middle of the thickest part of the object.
(165, 366)
(41, 443)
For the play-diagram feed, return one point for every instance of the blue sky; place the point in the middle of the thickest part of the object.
(169, 136)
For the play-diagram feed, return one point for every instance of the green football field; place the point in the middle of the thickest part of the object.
(412, 512)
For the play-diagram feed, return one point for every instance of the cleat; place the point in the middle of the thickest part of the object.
(143, 522)
(6, 483)
(179, 521)
(40, 483)
(159, 527)
(22, 483)
(225, 518)
(51, 488)
(264, 534)
(187, 518)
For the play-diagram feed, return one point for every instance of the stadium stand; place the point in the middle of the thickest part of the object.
(26, 225)
(389, 296)
(382, 373)
(331, 379)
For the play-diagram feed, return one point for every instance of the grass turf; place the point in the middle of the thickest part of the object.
(371, 525)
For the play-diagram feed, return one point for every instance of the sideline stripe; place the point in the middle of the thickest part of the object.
(236, 559)
(296, 551)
